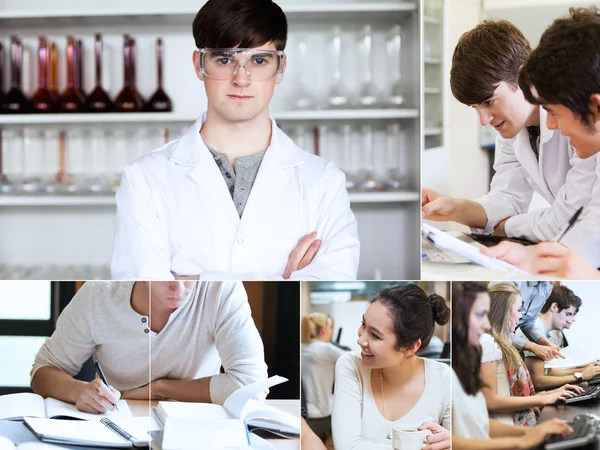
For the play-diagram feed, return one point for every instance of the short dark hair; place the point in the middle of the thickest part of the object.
(413, 313)
(466, 359)
(485, 56)
(565, 67)
(563, 297)
(240, 23)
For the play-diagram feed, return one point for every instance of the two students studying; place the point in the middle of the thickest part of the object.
(187, 341)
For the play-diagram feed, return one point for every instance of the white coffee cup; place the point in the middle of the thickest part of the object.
(408, 437)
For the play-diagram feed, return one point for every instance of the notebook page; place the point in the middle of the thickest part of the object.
(16, 406)
(80, 432)
(187, 434)
(56, 407)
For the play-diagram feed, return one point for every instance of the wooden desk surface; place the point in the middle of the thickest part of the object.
(141, 408)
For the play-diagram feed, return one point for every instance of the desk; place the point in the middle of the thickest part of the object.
(568, 412)
(140, 408)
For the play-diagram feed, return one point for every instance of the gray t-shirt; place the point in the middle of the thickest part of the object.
(213, 327)
(241, 181)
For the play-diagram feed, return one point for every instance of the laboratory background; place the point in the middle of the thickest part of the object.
(352, 94)
(462, 166)
(345, 302)
(29, 310)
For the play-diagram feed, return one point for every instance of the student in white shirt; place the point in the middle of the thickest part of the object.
(472, 429)
(134, 327)
(319, 356)
(530, 156)
(558, 313)
(387, 384)
(234, 197)
(561, 75)
(509, 391)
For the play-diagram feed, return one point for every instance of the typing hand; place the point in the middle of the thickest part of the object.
(537, 435)
(592, 370)
(571, 387)
(97, 398)
(436, 206)
(516, 254)
(303, 254)
(556, 260)
(440, 439)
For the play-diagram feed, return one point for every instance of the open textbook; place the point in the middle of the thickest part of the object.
(230, 422)
(447, 242)
(18, 406)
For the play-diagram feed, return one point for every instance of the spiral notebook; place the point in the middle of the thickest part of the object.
(121, 433)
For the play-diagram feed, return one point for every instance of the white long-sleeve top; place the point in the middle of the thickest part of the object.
(562, 178)
(357, 423)
(213, 327)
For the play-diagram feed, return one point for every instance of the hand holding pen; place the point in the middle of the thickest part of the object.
(97, 396)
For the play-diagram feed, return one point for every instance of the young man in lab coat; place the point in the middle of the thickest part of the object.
(562, 75)
(234, 197)
(531, 155)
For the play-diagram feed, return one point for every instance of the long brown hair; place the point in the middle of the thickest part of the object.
(503, 296)
(466, 358)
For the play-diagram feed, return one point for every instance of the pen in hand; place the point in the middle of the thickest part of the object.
(569, 225)
(102, 377)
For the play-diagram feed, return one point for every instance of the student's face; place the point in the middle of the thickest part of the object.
(478, 318)
(563, 319)
(240, 98)
(171, 294)
(377, 339)
(506, 110)
(584, 140)
(514, 314)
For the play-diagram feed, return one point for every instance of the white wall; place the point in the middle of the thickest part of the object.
(585, 328)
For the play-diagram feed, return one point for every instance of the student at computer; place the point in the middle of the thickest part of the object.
(387, 384)
(472, 429)
(533, 295)
(319, 356)
(558, 313)
(509, 392)
(234, 197)
(531, 156)
(117, 322)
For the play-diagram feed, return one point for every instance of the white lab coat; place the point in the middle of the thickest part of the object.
(175, 215)
(560, 176)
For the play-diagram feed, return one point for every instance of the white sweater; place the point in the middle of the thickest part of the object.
(213, 327)
(357, 423)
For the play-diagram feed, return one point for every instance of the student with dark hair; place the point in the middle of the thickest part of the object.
(558, 313)
(387, 384)
(562, 76)
(234, 197)
(530, 156)
(472, 428)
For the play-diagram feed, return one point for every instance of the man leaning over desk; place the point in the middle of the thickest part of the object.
(196, 328)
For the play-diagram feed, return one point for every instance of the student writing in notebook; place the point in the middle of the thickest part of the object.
(531, 154)
(562, 76)
(193, 328)
(387, 384)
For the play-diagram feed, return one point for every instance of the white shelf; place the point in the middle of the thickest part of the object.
(431, 20)
(432, 90)
(121, 118)
(139, 9)
(433, 131)
(107, 200)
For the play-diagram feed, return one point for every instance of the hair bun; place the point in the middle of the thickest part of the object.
(441, 312)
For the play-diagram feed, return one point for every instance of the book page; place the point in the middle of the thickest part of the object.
(235, 403)
(56, 407)
(17, 406)
(75, 431)
(217, 434)
(259, 414)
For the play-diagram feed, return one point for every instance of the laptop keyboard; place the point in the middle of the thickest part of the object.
(585, 431)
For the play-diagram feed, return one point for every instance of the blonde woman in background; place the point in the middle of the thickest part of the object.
(319, 356)
(508, 389)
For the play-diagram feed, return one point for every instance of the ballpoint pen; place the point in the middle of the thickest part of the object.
(102, 377)
(569, 225)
